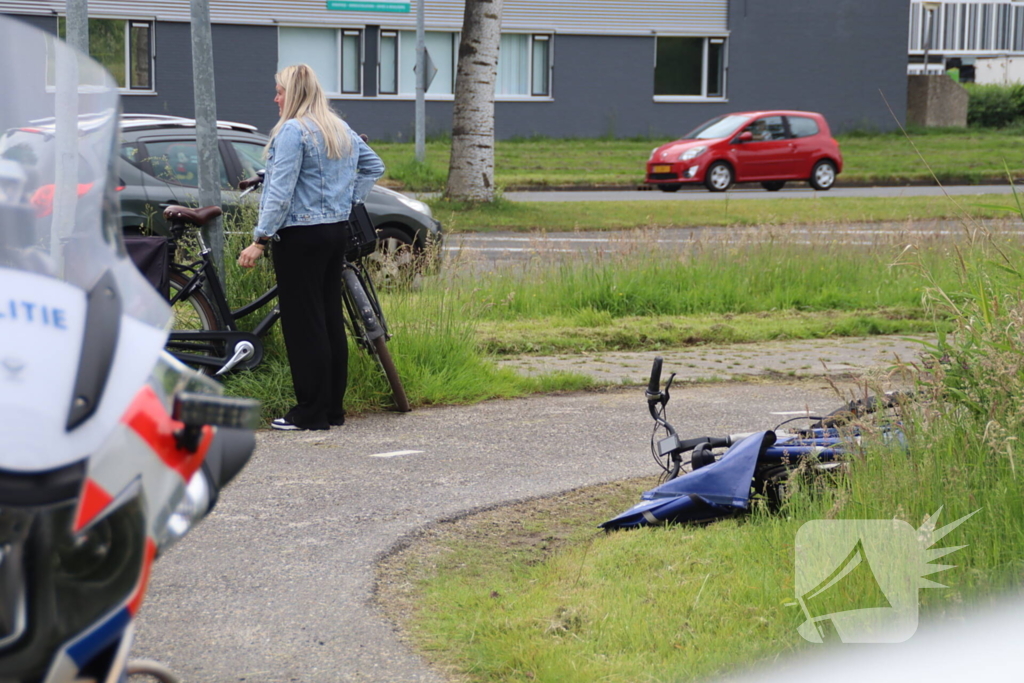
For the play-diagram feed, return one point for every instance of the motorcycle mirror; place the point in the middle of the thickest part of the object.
(198, 410)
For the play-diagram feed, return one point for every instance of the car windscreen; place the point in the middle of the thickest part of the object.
(721, 127)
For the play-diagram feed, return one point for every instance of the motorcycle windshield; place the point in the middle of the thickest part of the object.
(59, 209)
(80, 328)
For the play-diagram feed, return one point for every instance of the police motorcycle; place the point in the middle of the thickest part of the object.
(110, 449)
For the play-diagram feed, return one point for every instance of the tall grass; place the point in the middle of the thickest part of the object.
(433, 347)
(684, 603)
(641, 278)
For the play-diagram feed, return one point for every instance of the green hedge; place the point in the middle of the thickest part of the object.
(994, 106)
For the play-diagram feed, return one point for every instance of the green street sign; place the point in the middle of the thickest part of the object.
(370, 5)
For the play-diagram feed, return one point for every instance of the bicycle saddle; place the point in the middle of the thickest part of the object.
(197, 217)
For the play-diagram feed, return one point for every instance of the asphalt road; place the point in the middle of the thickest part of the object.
(490, 249)
(276, 585)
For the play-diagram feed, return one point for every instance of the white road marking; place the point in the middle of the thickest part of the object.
(394, 454)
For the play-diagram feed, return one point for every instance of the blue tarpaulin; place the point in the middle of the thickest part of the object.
(712, 491)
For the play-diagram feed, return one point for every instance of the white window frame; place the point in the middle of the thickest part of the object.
(390, 33)
(151, 22)
(549, 38)
(361, 49)
(723, 39)
(335, 91)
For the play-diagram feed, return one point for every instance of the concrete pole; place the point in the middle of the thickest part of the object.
(77, 35)
(421, 80)
(206, 124)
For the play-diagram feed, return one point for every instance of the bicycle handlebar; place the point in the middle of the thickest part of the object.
(250, 184)
(654, 386)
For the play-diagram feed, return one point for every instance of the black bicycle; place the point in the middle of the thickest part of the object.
(205, 333)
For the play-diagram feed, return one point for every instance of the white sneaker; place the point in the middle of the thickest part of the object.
(284, 425)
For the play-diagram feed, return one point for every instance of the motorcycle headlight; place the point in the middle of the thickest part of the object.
(692, 153)
(193, 507)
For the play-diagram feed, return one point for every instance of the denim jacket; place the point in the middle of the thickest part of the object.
(303, 186)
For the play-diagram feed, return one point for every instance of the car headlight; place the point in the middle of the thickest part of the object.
(692, 153)
(414, 204)
(653, 151)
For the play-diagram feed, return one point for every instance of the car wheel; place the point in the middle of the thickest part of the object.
(669, 188)
(718, 177)
(773, 185)
(395, 260)
(823, 176)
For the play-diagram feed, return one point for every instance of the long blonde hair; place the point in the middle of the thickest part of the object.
(305, 101)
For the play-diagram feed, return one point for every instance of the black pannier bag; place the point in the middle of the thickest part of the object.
(362, 236)
(150, 255)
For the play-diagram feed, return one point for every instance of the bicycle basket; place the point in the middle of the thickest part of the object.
(151, 255)
(362, 236)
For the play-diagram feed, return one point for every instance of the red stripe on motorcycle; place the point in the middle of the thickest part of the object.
(135, 601)
(92, 502)
(149, 419)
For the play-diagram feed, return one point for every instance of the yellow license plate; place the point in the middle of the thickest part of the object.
(662, 168)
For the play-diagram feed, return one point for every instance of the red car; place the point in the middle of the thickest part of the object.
(770, 147)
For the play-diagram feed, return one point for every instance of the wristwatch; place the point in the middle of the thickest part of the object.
(262, 242)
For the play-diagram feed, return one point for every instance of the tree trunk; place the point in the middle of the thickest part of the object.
(471, 170)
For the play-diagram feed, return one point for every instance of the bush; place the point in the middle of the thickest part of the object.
(994, 106)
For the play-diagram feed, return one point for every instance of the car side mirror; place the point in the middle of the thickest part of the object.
(745, 136)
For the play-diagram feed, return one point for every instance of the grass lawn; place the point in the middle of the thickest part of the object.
(966, 155)
(624, 215)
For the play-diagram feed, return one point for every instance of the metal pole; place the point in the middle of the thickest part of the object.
(928, 38)
(206, 124)
(65, 191)
(421, 79)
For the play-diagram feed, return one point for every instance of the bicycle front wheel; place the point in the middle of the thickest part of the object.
(366, 324)
(380, 348)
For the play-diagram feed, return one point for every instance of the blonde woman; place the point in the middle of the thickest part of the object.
(317, 169)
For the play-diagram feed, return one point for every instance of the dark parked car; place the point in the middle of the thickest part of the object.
(770, 147)
(160, 165)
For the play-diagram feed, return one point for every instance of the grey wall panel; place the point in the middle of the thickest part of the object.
(830, 57)
(836, 57)
(245, 60)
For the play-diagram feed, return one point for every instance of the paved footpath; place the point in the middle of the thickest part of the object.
(800, 358)
(277, 584)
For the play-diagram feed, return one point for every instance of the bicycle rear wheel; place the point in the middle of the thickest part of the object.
(193, 313)
(878, 406)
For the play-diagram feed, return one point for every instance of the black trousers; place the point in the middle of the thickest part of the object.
(308, 263)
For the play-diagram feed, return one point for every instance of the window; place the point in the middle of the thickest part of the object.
(802, 127)
(767, 129)
(689, 67)
(441, 47)
(177, 161)
(524, 65)
(335, 55)
(250, 156)
(123, 46)
(387, 67)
